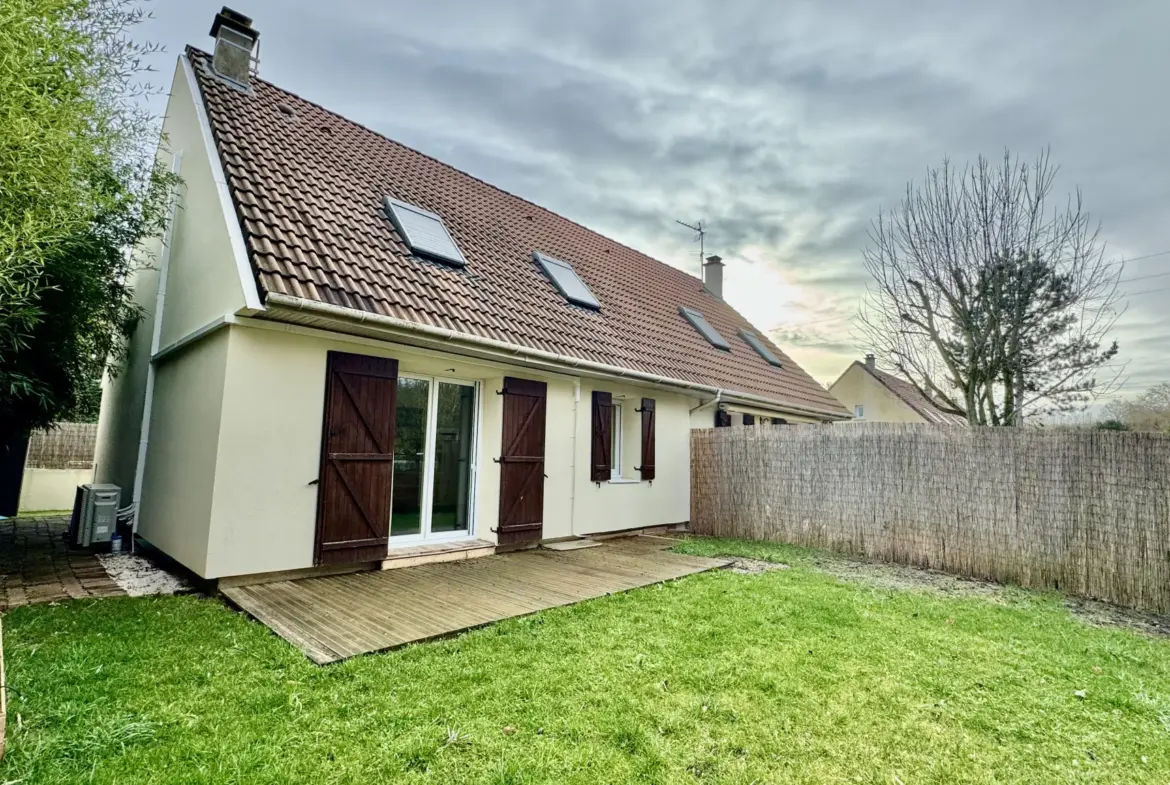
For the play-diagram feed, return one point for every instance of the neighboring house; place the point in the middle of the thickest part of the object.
(351, 347)
(876, 396)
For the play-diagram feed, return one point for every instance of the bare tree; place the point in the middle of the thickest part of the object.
(992, 303)
(1149, 411)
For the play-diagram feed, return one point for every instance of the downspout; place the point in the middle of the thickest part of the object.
(716, 400)
(573, 462)
(155, 340)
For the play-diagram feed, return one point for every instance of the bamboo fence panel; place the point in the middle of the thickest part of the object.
(1084, 512)
(67, 445)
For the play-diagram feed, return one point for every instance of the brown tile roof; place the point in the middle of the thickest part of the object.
(928, 409)
(308, 188)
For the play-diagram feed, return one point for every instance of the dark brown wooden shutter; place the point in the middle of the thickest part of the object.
(749, 419)
(647, 467)
(522, 463)
(722, 418)
(357, 459)
(602, 436)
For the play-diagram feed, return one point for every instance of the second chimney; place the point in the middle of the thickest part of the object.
(713, 275)
(234, 41)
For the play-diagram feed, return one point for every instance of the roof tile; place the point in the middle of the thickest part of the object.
(309, 187)
(928, 409)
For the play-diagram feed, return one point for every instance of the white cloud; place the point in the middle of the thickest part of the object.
(784, 126)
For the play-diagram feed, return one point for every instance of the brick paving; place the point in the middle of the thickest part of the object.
(37, 566)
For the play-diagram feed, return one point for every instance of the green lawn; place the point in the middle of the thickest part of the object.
(786, 676)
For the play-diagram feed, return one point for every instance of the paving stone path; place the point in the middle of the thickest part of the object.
(36, 565)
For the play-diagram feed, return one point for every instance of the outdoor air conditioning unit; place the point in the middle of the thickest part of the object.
(95, 512)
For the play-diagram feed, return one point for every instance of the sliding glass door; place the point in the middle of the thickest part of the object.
(434, 459)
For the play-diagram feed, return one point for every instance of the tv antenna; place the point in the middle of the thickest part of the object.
(698, 229)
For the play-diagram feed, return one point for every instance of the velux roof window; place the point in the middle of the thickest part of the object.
(753, 340)
(424, 232)
(568, 283)
(704, 327)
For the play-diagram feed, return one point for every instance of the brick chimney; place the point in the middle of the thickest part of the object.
(235, 42)
(713, 275)
(870, 361)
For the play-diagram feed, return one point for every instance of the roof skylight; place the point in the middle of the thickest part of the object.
(704, 327)
(753, 340)
(424, 232)
(568, 283)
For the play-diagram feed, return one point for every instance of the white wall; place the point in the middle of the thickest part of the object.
(615, 506)
(202, 284)
(182, 462)
(51, 489)
(265, 511)
(263, 517)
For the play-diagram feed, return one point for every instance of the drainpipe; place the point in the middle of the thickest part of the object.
(573, 462)
(716, 400)
(155, 340)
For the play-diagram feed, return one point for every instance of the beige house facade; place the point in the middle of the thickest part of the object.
(288, 404)
(873, 395)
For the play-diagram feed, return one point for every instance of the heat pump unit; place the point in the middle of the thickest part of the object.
(95, 512)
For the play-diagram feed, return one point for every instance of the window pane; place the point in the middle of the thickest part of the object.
(565, 278)
(410, 441)
(454, 433)
(700, 323)
(424, 232)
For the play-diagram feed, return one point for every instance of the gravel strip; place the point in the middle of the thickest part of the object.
(139, 577)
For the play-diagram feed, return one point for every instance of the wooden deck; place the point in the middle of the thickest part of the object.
(332, 618)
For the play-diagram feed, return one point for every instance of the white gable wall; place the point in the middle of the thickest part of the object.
(203, 280)
(203, 283)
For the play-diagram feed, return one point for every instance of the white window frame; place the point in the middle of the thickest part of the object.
(859, 411)
(424, 534)
(616, 439)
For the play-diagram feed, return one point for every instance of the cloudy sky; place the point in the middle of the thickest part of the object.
(783, 126)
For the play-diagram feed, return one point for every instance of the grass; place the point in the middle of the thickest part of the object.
(788, 676)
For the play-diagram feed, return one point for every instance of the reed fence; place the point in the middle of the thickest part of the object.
(1085, 512)
(68, 445)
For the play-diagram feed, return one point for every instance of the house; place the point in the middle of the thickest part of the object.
(876, 396)
(352, 348)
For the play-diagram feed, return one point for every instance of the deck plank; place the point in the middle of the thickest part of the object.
(334, 617)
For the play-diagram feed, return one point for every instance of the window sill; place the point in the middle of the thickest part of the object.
(623, 481)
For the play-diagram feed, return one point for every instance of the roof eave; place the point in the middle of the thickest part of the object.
(279, 305)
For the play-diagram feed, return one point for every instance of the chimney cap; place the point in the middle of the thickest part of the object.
(713, 259)
(233, 20)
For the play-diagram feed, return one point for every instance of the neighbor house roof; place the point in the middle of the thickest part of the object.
(909, 394)
(308, 187)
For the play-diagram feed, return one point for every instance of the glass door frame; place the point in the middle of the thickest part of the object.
(424, 535)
